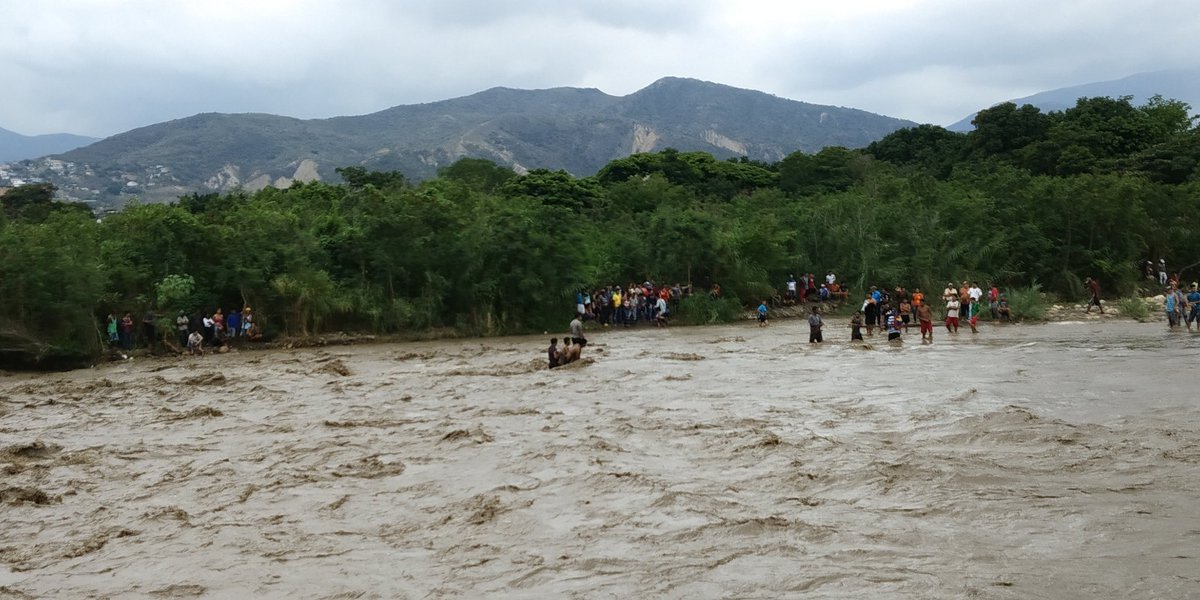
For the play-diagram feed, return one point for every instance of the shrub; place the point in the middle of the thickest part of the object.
(1134, 308)
(703, 309)
(1028, 303)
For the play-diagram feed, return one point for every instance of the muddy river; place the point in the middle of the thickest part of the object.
(1044, 461)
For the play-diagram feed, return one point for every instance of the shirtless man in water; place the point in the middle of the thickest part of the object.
(565, 352)
(925, 317)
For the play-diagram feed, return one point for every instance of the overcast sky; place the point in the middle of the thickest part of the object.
(102, 67)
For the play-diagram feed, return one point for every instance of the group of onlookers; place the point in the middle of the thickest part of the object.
(894, 311)
(808, 288)
(626, 306)
(194, 333)
(887, 311)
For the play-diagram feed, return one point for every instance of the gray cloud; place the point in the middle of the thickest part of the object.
(99, 68)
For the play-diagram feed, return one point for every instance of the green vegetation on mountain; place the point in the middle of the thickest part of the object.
(1027, 199)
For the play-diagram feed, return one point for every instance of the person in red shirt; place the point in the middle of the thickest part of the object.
(1093, 287)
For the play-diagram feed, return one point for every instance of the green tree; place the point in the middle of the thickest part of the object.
(477, 173)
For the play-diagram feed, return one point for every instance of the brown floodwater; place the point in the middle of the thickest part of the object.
(1045, 461)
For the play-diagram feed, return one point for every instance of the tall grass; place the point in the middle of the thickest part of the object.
(1028, 303)
(702, 309)
(1134, 308)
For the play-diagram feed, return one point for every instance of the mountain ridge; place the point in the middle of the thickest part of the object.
(15, 146)
(1178, 84)
(578, 130)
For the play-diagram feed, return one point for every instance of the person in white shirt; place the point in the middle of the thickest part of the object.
(195, 343)
(975, 292)
(952, 307)
(949, 292)
(209, 327)
(830, 278)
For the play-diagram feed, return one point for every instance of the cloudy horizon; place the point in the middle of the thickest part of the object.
(99, 68)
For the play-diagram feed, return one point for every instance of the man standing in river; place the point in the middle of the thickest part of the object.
(814, 327)
(1193, 301)
(952, 306)
(895, 326)
(925, 317)
(552, 353)
(577, 331)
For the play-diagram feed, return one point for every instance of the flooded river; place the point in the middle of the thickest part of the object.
(1048, 461)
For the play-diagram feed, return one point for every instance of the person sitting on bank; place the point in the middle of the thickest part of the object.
(1003, 309)
(195, 343)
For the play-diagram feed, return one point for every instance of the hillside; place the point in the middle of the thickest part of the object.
(577, 130)
(1177, 84)
(14, 146)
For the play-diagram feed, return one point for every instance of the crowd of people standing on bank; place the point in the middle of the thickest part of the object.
(194, 333)
(627, 306)
(808, 288)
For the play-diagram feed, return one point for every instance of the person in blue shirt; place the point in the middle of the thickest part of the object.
(762, 314)
(234, 323)
(1193, 300)
(1172, 308)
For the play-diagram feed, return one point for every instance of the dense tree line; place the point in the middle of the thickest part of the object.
(1026, 197)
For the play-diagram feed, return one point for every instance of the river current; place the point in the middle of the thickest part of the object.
(1059, 460)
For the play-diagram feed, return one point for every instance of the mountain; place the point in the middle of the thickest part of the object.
(577, 130)
(14, 146)
(1176, 84)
